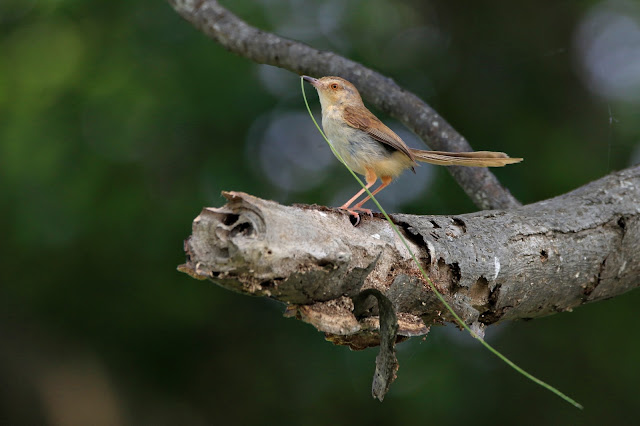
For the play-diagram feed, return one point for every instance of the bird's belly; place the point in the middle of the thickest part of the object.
(358, 150)
(393, 165)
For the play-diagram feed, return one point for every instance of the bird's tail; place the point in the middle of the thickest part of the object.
(469, 159)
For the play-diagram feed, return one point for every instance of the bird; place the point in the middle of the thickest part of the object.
(372, 149)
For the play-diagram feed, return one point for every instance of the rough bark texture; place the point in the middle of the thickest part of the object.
(535, 260)
(265, 48)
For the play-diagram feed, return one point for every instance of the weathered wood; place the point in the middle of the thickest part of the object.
(497, 265)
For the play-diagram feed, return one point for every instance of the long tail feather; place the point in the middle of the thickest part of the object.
(469, 159)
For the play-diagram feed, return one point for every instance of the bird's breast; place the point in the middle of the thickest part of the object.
(359, 150)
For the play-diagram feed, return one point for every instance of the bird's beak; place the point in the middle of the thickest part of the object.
(313, 81)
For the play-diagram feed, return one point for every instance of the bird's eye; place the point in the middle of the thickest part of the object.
(334, 86)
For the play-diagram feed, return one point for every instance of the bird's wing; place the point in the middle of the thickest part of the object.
(361, 118)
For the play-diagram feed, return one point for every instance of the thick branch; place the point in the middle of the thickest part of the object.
(266, 48)
(535, 260)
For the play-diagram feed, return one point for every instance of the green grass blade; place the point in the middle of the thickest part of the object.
(424, 274)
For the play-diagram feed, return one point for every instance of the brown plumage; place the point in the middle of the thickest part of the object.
(470, 159)
(372, 149)
(359, 117)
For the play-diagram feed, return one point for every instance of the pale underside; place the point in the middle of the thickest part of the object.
(360, 151)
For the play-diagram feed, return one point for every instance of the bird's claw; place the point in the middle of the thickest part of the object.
(357, 216)
(352, 211)
(362, 209)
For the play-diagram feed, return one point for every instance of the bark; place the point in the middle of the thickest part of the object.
(491, 266)
(265, 48)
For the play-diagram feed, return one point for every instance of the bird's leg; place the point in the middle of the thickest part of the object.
(346, 205)
(370, 177)
(386, 180)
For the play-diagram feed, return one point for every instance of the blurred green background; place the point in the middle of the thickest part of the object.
(119, 122)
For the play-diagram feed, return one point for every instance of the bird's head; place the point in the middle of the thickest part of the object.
(334, 91)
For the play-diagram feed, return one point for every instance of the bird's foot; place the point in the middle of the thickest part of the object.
(353, 211)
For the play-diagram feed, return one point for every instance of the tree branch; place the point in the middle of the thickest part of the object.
(547, 257)
(265, 48)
